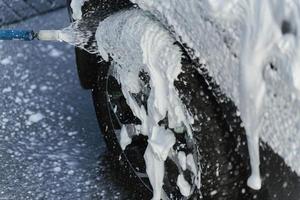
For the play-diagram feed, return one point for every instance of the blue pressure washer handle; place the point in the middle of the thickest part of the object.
(17, 35)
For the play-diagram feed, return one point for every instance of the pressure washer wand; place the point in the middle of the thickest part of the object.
(17, 35)
(28, 35)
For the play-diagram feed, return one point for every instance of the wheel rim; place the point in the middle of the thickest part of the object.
(135, 151)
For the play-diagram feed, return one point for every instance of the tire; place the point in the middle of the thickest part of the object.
(224, 171)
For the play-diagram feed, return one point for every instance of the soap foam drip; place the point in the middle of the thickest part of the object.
(76, 6)
(137, 42)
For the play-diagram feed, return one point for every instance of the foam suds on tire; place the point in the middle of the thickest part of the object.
(137, 42)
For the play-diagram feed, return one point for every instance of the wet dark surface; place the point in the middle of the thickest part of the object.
(12, 11)
(50, 143)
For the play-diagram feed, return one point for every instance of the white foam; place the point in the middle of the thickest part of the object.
(191, 164)
(125, 140)
(182, 160)
(76, 6)
(184, 186)
(8, 89)
(161, 141)
(155, 170)
(6, 61)
(36, 117)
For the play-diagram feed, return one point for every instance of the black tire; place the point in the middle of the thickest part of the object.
(224, 171)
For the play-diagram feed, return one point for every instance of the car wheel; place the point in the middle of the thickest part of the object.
(213, 149)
